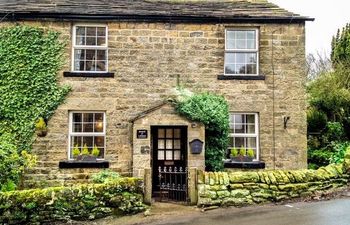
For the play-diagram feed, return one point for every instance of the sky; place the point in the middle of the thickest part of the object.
(329, 16)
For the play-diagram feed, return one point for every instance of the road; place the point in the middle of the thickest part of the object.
(331, 212)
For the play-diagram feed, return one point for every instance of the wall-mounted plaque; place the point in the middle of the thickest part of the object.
(142, 134)
(196, 146)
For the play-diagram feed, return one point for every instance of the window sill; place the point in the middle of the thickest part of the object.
(70, 164)
(84, 74)
(242, 77)
(244, 165)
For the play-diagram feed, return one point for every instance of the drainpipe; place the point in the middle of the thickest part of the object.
(273, 99)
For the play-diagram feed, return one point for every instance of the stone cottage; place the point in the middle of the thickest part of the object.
(124, 59)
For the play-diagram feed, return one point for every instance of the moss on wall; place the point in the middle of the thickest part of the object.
(245, 188)
(80, 202)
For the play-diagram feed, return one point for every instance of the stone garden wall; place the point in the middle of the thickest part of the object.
(245, 188)
(79, 202)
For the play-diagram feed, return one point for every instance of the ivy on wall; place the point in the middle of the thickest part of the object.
(212, 111)
(30, 60)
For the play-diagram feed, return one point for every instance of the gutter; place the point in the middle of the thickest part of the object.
(15, 16)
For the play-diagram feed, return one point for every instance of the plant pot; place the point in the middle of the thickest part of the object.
(89, 158)
(41, 133)
(242, 159)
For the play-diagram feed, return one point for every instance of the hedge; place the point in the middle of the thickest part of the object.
(79, 202)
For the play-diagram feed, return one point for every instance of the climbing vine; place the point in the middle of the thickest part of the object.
(30, 60)
(212, 111)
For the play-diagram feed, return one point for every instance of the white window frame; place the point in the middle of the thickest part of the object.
(256, 134)
(94, 47)
(71, 133)
(256, 50)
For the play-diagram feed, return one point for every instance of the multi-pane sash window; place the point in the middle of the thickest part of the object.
(90, 48)
(87, 129)
(244, 132)
(241, 52)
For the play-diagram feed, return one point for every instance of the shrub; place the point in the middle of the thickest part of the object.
(12, 163)
(212, 111)
(79, 202)
(316, 120)
(30, 60)
(105, 176)
(339, 152)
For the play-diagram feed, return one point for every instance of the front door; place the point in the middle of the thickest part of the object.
(169, 145)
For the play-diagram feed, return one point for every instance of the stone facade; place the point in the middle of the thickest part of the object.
(147, 58)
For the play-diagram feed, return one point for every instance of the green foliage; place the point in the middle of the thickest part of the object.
(40, 124)
(85, 150)
(12, 163)
(95, 151)
(105, 176)
(319, 157)
(242, 151)
(30, 59)
(339, 152)
(78, 202)
(234, 152)
(341, 46)
(250, 153)
(316, 120)
(334, 132)
(212, 111)
(76, 151)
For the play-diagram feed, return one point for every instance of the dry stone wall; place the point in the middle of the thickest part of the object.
(245, 188)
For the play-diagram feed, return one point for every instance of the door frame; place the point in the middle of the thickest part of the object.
(154, 155)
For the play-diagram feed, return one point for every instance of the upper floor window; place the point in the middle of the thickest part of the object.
(90, 48)
(87, 130)
(241, 52)
(244, 133)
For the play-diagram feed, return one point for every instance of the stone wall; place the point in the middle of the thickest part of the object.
(147, 58)
(79, 202)
(245, 188)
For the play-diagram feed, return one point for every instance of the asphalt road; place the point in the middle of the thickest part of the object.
(332, 212)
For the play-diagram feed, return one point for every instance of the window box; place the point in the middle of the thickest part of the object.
(244, 165)
(71, 164)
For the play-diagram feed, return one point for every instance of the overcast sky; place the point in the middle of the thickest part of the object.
(329, 16)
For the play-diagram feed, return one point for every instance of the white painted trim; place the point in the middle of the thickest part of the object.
(74, 46)
(256, 134)
(101, 134)
(256, 50)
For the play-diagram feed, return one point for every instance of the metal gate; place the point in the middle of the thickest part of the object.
(173, 184)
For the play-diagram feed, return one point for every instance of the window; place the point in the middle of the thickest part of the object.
(241, 52)
(87, 128)
(244, 132)
(90, 48)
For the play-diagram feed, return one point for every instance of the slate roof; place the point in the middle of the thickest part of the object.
(201, 10)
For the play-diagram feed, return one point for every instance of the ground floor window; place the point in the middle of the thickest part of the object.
(244, 135)
(87, 130)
